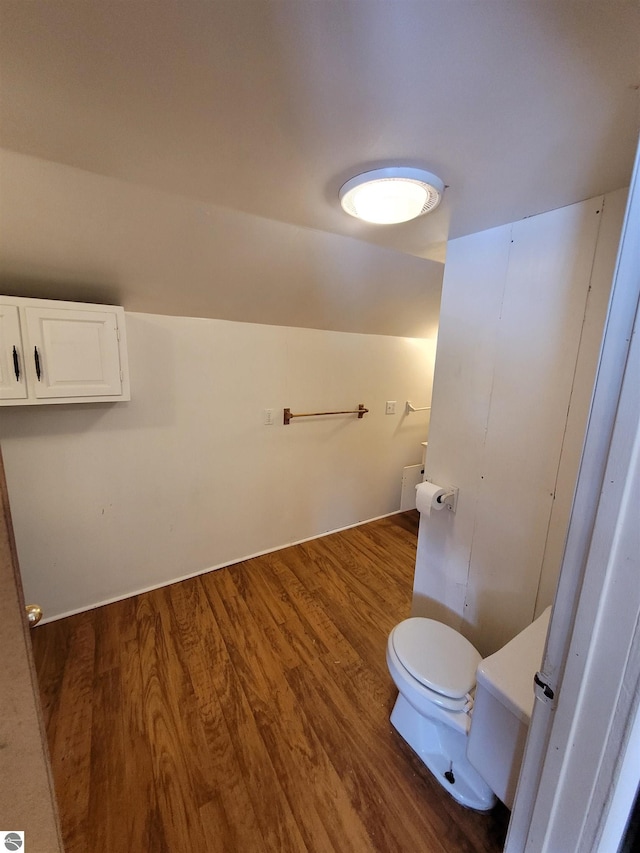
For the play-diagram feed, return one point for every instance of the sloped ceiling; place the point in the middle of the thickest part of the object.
(265, 108)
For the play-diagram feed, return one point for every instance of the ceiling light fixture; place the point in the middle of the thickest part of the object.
(395, 194)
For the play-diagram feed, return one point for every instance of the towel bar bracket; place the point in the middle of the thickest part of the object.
(412, 408)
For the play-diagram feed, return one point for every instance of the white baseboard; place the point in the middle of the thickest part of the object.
(185, 577)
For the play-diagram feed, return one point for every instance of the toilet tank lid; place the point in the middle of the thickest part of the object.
(436, 655)
(508, 674)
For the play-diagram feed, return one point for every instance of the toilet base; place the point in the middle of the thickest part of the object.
(444, 751)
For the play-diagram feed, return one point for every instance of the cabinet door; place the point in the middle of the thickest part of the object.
(72, 352)
(13, 385)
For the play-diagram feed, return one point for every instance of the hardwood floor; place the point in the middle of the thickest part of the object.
(247, 710)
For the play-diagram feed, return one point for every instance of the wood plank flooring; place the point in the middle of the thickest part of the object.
(247, 711)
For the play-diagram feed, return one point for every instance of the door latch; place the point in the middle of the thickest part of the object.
(543, 691)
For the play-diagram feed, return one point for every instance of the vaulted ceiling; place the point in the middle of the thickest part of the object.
(265, 107)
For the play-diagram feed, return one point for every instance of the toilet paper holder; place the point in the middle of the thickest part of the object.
(450, 498)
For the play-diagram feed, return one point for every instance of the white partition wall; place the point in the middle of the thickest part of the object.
(522, 313)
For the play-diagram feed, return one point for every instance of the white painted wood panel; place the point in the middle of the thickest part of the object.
(581, 392)
(538, 337)
(517, 345)
(475, 277)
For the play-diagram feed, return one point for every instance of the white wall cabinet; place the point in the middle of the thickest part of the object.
(61, 352)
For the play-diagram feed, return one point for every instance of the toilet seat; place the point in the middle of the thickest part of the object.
(438, 657)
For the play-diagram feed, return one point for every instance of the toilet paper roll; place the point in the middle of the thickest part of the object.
(427, 495)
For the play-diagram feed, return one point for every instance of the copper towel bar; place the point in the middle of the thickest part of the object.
(360, 411)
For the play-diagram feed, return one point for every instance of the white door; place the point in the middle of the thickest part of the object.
(13, 385)
(72, 353)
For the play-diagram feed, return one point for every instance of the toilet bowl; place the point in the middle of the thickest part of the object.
(466, 718)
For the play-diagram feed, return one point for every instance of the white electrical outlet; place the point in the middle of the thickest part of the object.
(391, 407)
(268, 417)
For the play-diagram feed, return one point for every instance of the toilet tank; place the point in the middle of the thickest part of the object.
(502, 709)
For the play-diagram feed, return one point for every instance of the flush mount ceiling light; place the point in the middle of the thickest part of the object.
(395, 194)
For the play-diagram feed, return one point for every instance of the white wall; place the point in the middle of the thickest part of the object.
(521, 321)
(108, 499)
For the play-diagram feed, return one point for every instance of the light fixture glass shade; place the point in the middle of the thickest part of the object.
(395, 194)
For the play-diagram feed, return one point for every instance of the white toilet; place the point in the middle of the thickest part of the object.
(465, 717)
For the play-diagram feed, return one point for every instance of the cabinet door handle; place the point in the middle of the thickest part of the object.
(37, 359)
(16, 364)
